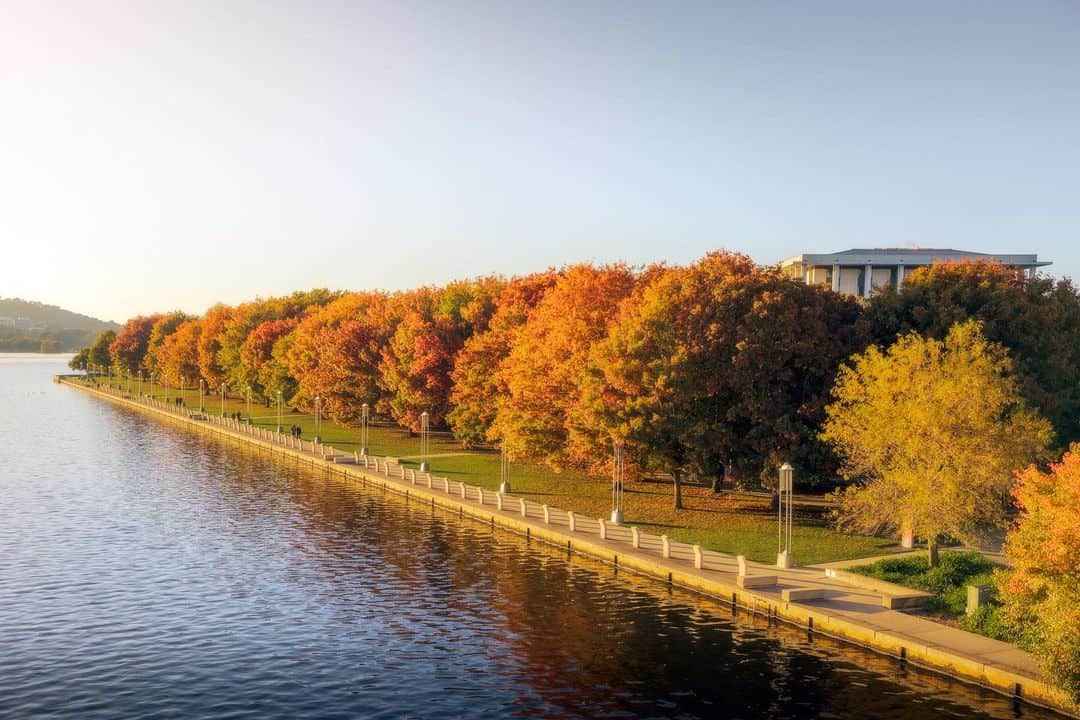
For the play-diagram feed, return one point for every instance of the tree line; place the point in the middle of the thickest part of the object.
(720, 369)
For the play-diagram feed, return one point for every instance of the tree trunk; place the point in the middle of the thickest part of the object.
(932, 552)
(677, 477)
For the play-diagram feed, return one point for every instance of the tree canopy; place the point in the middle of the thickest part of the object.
(932, 431)
(1036, 318)
(1041, 592)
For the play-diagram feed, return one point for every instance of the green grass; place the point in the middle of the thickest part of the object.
(948, 581)
(715, 521)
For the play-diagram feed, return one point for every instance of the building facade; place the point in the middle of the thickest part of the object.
(858, 272)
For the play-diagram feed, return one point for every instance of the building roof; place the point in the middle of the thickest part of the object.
(911, 256)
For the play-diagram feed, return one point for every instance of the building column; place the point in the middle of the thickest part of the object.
(868, 278)
(836, 278)
(899, 275)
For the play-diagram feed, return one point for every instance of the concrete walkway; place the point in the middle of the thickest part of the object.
(853, 613)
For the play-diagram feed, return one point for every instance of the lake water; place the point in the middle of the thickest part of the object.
(149, 572)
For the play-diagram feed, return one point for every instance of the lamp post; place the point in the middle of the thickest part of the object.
(425, 441)
(202, 392)
(617, 484)
(504, 471)
(140, 383)
(249, 404)
(183, 391)
(784, 557)
(364, 410)
(279, 403)
(222, 399)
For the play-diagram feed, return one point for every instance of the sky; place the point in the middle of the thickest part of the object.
(160, 155)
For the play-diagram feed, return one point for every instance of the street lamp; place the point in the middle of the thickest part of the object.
(364, 410)
(425, 441)
(249, 404)
(140, 383)
(617, 485)
(318, 419)
(279, 403)
(222, 399)
(504, 471)
(202, 391)
(784, 558)
(183, 391)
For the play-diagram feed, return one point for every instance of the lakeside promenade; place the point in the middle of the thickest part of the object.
(802, 596)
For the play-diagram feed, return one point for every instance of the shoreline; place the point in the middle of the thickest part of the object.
(855, 616)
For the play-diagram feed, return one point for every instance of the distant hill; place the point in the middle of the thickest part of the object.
(29, 326)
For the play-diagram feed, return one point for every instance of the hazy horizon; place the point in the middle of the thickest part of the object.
(161, 155)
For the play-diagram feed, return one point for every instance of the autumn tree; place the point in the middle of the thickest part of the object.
(1036, 318)
(720, 364)
(932, 431)
(335, 353)
(80, 360)
(128, 349)
(209, 345)
(1041, 593)
(245, 317)
(178, 356)
(258, 361)
(475, 382)
(98, 354)
(419, 357)
(162, 328)
(543, 370)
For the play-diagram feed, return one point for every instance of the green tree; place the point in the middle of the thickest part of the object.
(932, 432)
(99, 353)
(81, 360)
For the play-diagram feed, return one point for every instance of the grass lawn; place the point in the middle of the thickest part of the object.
(948, 581)
(715, 521)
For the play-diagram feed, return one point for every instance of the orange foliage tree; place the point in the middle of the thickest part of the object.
(335, 352)
(543, 370)
(164, 327)
(258, 360)
(1041, 593)
(178, 356)
(720, 364)
(213, 325)
(128, 349)
(476, 385)
(418, 359)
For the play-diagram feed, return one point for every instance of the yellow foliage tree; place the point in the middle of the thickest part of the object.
(932, 432)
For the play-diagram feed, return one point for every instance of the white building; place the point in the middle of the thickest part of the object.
(858, 272)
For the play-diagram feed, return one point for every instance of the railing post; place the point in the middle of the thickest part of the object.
(603, 529)
(480, 495)
(699, 559)
(571, 521)
(524, 508)
(499, 500)
(429, 480)
(547, 515)
(665, 546)
(464, 491)
(635, 537)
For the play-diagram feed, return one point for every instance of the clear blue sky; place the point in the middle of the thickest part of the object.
(222, 150)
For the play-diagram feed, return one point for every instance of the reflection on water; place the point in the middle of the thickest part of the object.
(147, 571)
